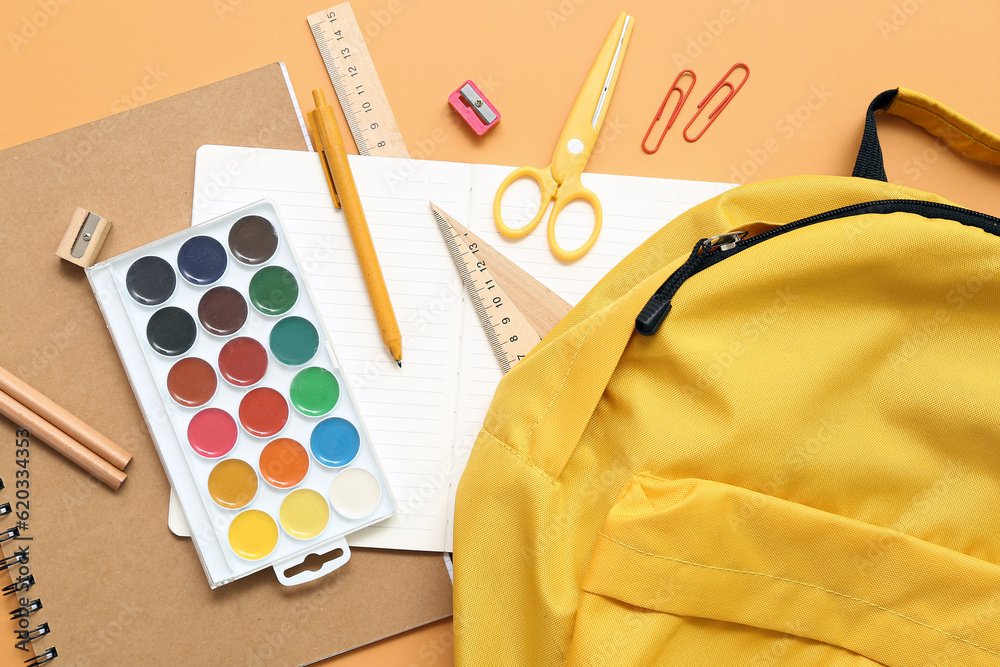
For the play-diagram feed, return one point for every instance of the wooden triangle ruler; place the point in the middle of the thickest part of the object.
(516, 310)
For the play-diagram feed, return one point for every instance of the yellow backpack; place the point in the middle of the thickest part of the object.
(798, 464)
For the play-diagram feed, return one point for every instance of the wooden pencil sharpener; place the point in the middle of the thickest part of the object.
(84, 237)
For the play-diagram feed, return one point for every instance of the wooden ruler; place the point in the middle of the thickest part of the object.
(516, 310)
(359, 91)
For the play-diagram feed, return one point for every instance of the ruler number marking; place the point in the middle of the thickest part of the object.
(341, 43)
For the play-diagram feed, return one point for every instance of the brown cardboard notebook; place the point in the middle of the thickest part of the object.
(116, 586)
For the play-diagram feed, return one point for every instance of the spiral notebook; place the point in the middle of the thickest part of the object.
(17, 568)
(115, 587)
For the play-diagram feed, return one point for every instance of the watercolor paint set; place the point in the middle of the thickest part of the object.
(250, 411)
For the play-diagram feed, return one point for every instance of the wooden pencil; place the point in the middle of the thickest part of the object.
(21, 415)
(72, 426)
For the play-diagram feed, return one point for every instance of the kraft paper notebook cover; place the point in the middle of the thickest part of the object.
(117, 587)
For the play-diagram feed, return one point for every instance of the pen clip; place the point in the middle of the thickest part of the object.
(332, 184)
(329, 179)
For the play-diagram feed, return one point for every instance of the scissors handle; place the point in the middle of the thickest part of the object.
(548, 189)
(568, 191)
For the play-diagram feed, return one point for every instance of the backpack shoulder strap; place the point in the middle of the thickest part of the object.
(957, 131)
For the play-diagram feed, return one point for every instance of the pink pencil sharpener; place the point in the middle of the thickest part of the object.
(473, 106)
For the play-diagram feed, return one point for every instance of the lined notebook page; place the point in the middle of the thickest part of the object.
(425, 420)
(633, 207)
(409, 412)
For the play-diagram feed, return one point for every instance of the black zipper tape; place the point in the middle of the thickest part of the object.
(708, 252)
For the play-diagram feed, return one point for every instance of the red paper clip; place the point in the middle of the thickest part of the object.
(722, 105)
(677, 109)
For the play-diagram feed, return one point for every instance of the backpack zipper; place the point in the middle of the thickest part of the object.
(710, 251)
(656, 309)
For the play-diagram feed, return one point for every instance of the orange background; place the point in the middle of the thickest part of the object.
(814, 68)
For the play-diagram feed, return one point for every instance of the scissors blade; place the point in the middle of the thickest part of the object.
(579, 134)
(609, 80)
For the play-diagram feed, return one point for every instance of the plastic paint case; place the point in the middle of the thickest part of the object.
(271, 373)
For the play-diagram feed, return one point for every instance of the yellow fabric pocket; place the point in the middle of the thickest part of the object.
(692, 572)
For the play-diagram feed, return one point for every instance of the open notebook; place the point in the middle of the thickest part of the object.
(425, 417)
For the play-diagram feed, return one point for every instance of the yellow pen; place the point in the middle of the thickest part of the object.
(345, 195)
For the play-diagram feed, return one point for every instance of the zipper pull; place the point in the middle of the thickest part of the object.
(655, 311)
(727, 241)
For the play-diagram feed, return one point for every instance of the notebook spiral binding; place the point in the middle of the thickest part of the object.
(48, 655)
(20, 584)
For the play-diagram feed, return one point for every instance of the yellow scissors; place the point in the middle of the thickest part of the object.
(561, 179)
